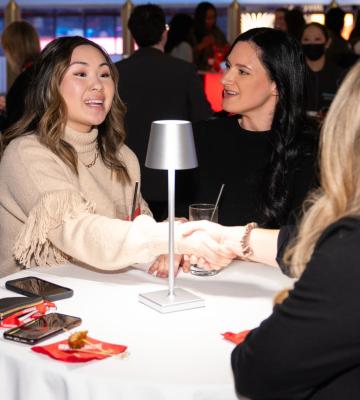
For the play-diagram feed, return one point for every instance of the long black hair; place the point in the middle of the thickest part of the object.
(200, 17)
(282, 57)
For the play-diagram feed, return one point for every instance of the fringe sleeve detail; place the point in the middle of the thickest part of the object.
(52, 210)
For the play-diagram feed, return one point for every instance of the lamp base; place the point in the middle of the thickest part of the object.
(162, 302)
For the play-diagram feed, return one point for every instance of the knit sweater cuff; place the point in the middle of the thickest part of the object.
(158, 236)
(52, 209)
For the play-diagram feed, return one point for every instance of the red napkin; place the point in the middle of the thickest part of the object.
(27, 314)
(61, 351)
(236, 338)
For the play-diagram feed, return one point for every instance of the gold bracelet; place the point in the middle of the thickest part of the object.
(247, 251)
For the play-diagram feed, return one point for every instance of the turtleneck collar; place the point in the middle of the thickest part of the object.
(82, 142)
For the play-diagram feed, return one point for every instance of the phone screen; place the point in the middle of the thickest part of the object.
(33, 286)
(42, 328)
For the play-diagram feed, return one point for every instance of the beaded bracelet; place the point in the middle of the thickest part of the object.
(247, 251)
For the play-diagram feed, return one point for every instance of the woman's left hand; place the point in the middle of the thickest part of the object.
(160, 266)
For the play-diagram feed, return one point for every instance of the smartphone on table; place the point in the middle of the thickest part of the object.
(33, 286)
(42, 328)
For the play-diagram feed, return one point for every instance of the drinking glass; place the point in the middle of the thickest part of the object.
(199, 212)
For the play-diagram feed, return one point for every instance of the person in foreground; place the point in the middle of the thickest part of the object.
(265, 151)
(309, 348)
(67, 179)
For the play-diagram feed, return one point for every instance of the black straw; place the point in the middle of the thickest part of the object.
(134, 201)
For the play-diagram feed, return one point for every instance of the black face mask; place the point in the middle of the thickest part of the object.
(313, 51)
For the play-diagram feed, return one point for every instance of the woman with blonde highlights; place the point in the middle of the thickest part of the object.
(309, 348)
(21, 46)
(67, 179)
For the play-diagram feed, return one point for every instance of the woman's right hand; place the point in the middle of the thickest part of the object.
(221, 234)
(206, 242)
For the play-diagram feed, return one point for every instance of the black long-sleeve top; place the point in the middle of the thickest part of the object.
(321, 86)
(156, 86)
(309, 348)
(239, 158)
(15, 98)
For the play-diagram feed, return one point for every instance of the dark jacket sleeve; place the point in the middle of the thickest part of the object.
(15, 98)
(198, 106)
(286, 234)
(314, 336)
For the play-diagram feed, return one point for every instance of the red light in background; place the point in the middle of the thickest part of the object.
(213, 90)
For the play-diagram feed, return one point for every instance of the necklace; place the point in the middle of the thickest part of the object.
(93, 162)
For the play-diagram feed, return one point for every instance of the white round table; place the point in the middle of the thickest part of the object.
(175, 356)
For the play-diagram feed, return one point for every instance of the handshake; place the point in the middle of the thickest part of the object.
(205, 243)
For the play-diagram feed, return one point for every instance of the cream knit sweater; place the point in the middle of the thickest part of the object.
(48, 214)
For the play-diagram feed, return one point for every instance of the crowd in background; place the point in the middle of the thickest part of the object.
(328, 54)
(197, 39)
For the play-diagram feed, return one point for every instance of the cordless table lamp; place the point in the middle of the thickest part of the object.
(171, 147)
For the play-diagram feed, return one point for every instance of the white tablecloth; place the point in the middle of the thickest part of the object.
(176, 356)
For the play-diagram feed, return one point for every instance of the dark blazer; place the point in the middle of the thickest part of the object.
(309, 348)
(155, 86)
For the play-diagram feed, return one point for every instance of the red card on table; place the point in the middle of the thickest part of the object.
(99, 350)
(27, 314)
(236, 338)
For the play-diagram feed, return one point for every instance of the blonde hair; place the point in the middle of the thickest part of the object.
(339, 194)
(21, 43)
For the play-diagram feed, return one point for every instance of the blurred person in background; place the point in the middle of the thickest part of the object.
(295, 22)
(339, 51)
(279, 20)
(354, 38)
(180, 38)
(21, 46)
(155, 86)
(323, 77)
(209, 37)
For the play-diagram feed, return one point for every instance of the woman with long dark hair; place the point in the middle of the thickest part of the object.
(208, 36)
(264, 152)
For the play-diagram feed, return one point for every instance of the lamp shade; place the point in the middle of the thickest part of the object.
(171, 145)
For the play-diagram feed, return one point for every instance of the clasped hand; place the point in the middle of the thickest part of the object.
(210, 245)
